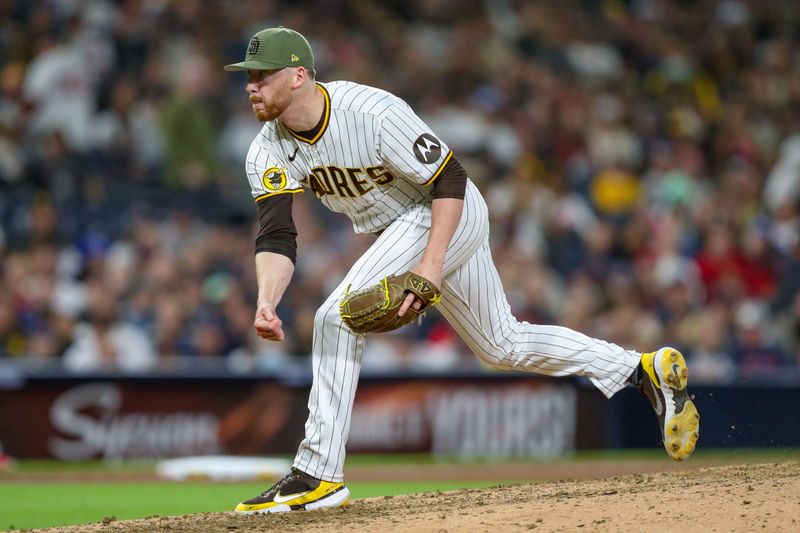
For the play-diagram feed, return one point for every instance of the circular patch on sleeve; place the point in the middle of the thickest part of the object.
(427, 149)
(274, 179)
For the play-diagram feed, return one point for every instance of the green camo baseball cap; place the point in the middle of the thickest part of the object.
(275, 48)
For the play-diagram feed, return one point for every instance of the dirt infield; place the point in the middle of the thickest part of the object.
(756, 497)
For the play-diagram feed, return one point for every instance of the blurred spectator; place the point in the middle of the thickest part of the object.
(783, 182)
(103, 343)
(755, 352)
(189, 132)
(705, 333)
(720, 265)
(13, 341)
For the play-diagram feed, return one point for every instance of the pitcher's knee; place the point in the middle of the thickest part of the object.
(327, 316)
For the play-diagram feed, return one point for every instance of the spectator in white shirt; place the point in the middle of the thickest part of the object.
(103, 343)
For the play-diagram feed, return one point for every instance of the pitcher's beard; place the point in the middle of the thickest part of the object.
(267, 113)
(273, 109)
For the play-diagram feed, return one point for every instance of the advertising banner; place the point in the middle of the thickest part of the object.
(123, 419)
(467, 418)
(72, 419)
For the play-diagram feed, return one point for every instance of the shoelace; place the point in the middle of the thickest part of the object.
(280, 484)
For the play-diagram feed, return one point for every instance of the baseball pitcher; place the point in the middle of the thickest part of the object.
(364, 152)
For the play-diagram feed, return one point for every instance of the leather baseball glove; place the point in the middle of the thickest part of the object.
(374, 308)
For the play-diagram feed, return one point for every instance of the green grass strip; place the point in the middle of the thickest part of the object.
(34, 505)
(616, 456)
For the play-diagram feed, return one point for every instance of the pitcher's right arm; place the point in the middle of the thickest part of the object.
(276, 253)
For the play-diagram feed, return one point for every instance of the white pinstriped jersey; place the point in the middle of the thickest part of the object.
(373, 158)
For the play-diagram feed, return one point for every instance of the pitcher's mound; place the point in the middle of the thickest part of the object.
(763, 497)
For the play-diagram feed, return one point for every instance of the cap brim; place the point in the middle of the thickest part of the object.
(252, 65)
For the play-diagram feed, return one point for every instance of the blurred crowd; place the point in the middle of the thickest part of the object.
(639, 157)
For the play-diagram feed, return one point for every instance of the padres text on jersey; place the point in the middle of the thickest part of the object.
(373, 158)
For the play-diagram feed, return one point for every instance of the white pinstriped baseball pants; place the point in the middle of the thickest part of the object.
(475, 305)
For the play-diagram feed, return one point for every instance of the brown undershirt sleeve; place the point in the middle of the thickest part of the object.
(452, 182)
(276, 230)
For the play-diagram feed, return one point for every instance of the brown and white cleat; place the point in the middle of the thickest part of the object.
(665, 386)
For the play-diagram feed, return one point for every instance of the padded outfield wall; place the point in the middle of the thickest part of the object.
(497, 415)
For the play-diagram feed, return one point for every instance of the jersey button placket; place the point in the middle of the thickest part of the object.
(314, 154)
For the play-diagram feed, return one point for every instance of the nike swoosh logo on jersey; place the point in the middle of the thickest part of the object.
(291, 157)
(283, 499)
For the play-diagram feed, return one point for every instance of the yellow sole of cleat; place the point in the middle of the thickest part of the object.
(674, 370)
(683, 432)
